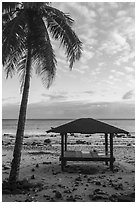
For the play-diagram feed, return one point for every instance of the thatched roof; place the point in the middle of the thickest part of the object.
(86, 126)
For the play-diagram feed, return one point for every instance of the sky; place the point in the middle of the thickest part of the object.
(101, 84)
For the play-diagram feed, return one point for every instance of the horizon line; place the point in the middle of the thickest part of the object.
(69, 118)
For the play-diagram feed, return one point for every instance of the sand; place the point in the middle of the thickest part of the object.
(81, 181)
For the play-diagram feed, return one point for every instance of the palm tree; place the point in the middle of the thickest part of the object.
(27, 47)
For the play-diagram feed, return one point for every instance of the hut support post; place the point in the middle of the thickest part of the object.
(111, 152)
(65, 163)
(66, 142)
(106, 146)
(62, 152)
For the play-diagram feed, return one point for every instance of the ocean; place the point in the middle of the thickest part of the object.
(40, 126)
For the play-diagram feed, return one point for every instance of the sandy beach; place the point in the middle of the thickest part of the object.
(81, 181)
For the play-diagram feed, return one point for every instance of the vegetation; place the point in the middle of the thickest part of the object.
(27, 47)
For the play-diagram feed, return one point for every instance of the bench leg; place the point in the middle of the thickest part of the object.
(106, 163)
(63, 164)
(111, 165)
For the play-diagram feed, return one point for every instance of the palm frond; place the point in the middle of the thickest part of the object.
(42, 52)
(21, 70)
(13, 42)
(37, 6)
(55, 12)
(8, 7)
(62, 31)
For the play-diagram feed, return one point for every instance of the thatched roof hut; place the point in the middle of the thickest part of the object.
(87, 126)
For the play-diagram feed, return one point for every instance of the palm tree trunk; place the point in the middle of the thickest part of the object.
(14, 173)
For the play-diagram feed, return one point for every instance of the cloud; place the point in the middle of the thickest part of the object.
(8, 98)
(89, 92)
(119, 38)
(83, 10)
(129, 95)
(129, 69)
(55, 96)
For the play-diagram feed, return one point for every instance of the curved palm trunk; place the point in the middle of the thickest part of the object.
(14, 173)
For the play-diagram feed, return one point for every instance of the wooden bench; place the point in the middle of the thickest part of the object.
(84, 156)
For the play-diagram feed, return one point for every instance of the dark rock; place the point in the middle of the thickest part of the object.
(8, 143)
(74, 189)
(33, 177)
(98, 194)
(71, 199)
(80, 142)
(117, 186)
(58, 194)
(6, 167)
(100, 197)
(37, 165)
(29, 199)
(67, 191)
(98, 183)
(113, 198)
(78, 197)
(61, 186)
(33, 169)
(6, 191)
(47, 197)
(34, 143)
(46, 162)
(78, 179)
(125, 198)
(5, 134)
(47, 141)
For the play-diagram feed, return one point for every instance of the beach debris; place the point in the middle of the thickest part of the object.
(47, 141)
(99, 194)
(21, 187)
